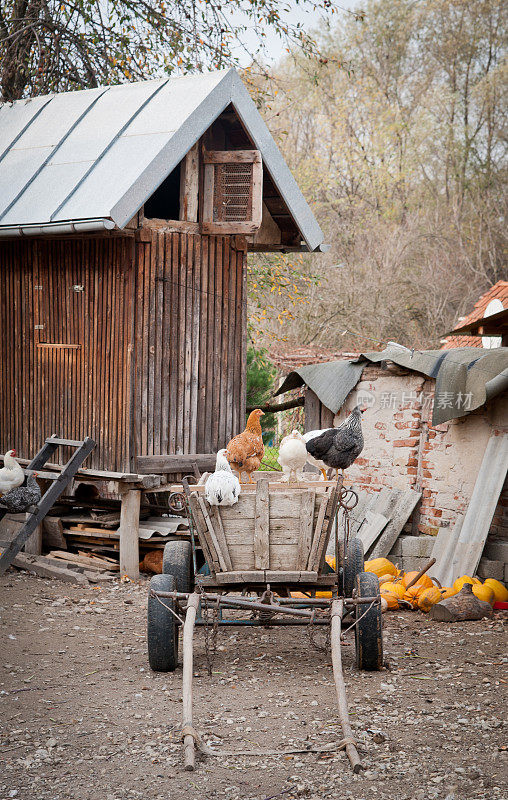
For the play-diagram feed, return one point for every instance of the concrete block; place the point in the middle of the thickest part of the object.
(506, 573)
(419, 546)
(496, 551)
(490, 569)
(412, 563)
(396, 549)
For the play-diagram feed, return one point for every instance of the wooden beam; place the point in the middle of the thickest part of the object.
(129, 533)
(189, 185)
(175, 463)
(231, 157)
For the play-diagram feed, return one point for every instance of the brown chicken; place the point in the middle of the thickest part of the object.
(152, 562)
(246, 450)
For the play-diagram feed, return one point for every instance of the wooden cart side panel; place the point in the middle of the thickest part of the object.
(318, 528)
(201, 529)
(262, 526)
(306, 528)
(324, 537)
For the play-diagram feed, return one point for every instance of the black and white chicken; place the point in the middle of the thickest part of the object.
(222, 487)
(337, 447)
(18, 500)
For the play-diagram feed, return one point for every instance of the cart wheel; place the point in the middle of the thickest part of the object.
(368, 630)
(353, 565)
(177, 561)
(162, 628)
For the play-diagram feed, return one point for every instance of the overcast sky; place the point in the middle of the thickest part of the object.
(274, 46)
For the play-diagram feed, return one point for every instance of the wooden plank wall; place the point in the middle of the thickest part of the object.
(47, 387)
(317, 416)
(190, 342)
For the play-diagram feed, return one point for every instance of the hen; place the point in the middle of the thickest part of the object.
(246, 450)
(292, 456)
(339, 447)
(222, 487)
(319, 464)
(18, 500)
(11, 474)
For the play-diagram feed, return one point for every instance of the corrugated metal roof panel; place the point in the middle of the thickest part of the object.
(102, 152)
(15, 117)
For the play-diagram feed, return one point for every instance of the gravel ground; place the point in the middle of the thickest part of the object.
(83, 716)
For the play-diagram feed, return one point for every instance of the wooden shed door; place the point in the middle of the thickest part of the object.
(60, 305)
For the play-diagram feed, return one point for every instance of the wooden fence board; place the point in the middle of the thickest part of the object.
(482, 505)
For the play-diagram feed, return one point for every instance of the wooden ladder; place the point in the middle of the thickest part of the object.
(57, 488)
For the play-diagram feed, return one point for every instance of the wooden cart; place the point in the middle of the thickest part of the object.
(271, 544)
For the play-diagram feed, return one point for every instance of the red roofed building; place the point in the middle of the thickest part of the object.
(492, 302)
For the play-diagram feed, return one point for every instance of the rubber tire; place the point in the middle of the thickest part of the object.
(177, 561)
(353, 565)
(162, 627)
(369, 629)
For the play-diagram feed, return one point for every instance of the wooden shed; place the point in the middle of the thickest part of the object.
(126, 216)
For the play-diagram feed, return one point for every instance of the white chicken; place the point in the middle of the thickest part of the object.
(315, 461)
(11, 474)
(222, 487)
(292, 456)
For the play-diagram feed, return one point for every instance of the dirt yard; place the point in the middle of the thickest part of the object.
(83, 716)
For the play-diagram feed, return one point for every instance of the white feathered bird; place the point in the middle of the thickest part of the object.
(293, 456)
(222, 487)
(315, 461)
(11, 474)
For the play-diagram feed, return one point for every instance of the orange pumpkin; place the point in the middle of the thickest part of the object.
(500, 590)
(428, 598)
(423, 581)
(484, 592)
(391, 599)
(393, 588)
(412, 594)
(380, 566)
(447, 591)
(459, 583)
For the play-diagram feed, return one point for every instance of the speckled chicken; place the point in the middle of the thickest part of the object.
(339, 447)
(246, 450)
(18, 500)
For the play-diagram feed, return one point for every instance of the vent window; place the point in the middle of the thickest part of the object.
(233, 191)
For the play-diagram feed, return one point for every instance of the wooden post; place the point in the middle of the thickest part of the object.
(189, 185)
(129, 533)
(352, 752)
(188, 732)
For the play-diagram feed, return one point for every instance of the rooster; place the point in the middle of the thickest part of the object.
(245, 451)
(11, 474)
(20, 499)
(292, 456)
(338, 447)
(222, 487)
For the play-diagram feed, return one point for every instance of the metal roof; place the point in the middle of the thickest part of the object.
(95, 156)
(461, 374)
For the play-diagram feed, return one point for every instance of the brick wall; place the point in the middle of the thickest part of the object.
(402, 448)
